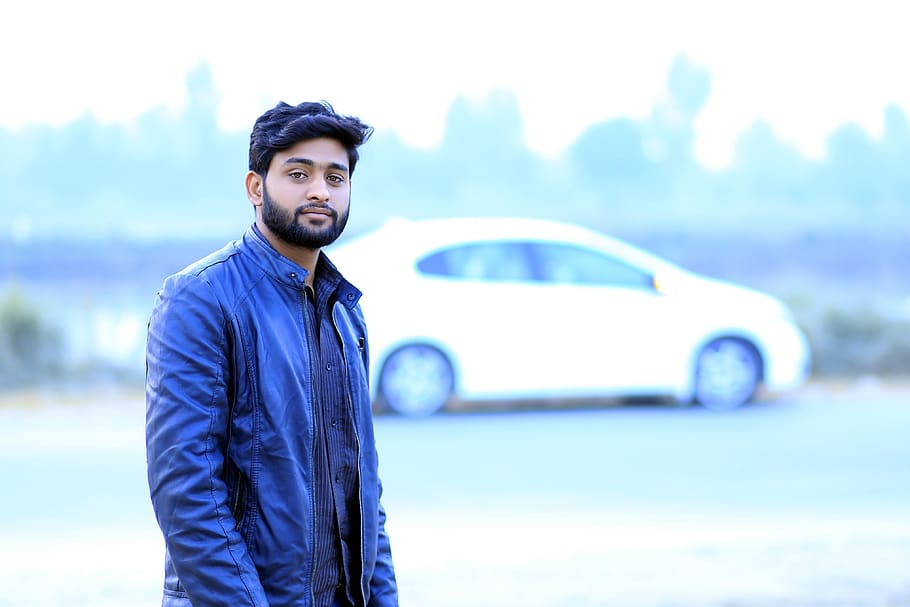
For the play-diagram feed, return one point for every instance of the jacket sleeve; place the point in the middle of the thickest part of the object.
(383, 585)
(187, 417)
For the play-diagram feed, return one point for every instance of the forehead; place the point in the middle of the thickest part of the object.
(320, 151)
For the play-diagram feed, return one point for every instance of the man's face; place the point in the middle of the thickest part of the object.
(306, 194)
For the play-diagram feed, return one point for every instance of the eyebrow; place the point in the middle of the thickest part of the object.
(299, 160)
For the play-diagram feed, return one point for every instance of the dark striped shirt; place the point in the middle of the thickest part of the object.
(336, 482)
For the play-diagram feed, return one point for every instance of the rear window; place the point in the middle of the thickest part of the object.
(564, 263)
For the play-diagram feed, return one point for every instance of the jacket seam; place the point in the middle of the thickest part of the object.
(212, 464)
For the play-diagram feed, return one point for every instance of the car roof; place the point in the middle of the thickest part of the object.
(406, 238)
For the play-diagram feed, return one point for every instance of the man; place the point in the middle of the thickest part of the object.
(261, 460)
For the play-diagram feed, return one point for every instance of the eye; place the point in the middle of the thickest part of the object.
(338, 179)
(296, 174)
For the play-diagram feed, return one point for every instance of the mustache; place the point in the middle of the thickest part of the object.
(323, 208)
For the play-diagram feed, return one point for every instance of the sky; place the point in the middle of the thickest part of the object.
(805, 67)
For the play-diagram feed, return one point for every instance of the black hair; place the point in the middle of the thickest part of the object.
(286, 125)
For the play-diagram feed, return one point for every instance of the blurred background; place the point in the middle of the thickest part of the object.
(762, 143)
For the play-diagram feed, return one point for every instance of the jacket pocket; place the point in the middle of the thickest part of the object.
(173, 598)
(238, 498)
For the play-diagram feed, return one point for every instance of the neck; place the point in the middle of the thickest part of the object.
(302, 256)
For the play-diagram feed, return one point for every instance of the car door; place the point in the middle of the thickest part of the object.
(490, 316)
(609, 329)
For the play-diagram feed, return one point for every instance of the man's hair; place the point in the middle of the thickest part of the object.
(285, 125)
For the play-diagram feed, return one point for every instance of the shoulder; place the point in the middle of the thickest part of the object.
(213, 264)
(216, 280)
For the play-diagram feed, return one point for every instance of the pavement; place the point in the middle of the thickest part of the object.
(106, 551)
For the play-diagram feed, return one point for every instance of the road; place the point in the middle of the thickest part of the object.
(800, 501)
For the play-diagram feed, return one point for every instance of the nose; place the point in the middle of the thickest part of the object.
(319, 190)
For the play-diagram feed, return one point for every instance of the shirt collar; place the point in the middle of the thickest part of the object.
(289, 273)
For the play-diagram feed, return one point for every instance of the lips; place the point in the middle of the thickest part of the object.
(324, 211)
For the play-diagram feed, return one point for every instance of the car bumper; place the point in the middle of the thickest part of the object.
(788, 357)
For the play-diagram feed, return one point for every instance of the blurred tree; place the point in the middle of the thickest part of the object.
(765, 168)
(853, 171)
(485, 140)
(483, 165)
(611, 157)
(689, 86)
(895, 152)
(177, 173)
(650, 161)
(30, 350)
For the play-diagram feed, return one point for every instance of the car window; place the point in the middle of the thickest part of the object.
(564, 263)
(495, 261)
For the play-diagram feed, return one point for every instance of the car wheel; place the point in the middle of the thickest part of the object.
(416, 380)
(727, 374)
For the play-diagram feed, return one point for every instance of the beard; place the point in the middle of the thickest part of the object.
(284, 224)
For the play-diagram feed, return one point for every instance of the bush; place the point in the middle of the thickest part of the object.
(30, 349)
(856, 339)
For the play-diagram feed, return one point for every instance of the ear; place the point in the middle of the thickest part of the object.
(254, 185)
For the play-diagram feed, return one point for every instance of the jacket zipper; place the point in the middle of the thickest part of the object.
(236, 507)
(310, 336)
(350, 403)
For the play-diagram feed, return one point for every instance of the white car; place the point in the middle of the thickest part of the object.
(483, 308)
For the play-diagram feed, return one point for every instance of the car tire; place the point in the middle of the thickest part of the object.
(727, 374)
(416, 380)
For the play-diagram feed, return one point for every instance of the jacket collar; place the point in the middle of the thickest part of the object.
(289, 273)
